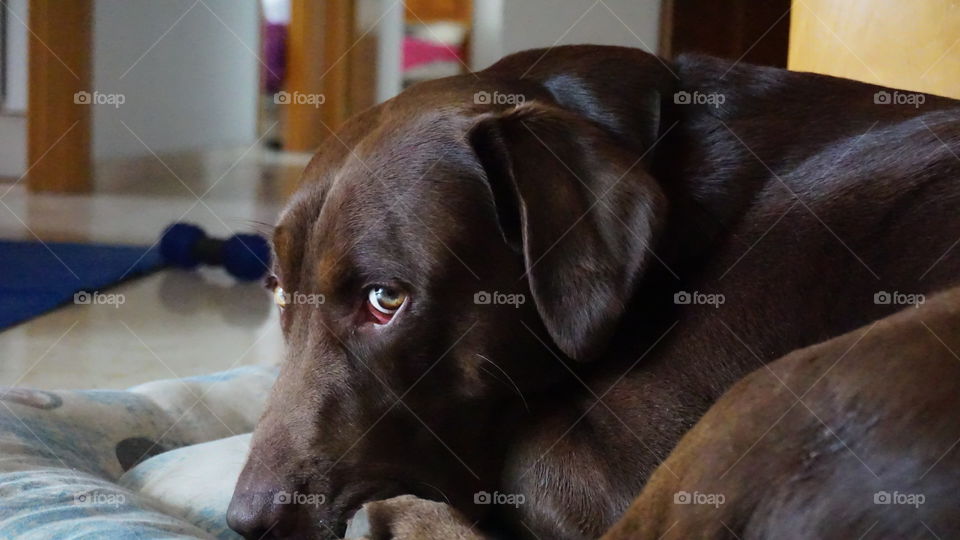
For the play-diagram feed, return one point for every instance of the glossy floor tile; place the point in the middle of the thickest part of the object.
(171, 323)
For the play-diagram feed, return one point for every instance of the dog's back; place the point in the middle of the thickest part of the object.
(855, 437)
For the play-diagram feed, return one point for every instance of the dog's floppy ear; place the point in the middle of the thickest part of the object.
(583, 211)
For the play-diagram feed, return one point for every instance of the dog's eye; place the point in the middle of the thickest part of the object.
(386, 299)
(280, 297)
(384, 302)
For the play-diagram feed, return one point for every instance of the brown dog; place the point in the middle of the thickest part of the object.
(530, 304)
(852, 438)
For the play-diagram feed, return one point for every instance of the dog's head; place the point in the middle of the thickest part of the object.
(447, 253)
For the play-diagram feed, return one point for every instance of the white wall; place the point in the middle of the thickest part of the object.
(13, 145)
(188, 79)
(16, 50)
(13, 125)
(502, 27)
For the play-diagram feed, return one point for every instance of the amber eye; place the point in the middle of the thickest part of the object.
(386, 300)
(280, 297)
(272, 284)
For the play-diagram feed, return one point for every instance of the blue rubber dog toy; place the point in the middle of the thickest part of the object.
(244, 256)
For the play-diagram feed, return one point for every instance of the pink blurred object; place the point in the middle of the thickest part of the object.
(274, 52)
(417, 52)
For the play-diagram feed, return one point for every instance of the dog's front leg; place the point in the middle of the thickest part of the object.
(408, 518)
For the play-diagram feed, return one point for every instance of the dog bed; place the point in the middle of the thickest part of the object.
(159, 460)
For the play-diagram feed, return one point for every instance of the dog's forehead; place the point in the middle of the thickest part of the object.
(398, 165)
(384, 199)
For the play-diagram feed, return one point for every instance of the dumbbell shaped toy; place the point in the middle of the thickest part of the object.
(244, 256)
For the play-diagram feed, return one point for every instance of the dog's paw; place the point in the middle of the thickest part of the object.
(408, 517)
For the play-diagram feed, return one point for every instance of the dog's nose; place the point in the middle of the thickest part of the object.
(255, 514)
(263, 510)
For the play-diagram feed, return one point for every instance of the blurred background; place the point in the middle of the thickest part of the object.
(120, 117)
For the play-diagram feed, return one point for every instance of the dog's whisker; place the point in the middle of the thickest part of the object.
(261, 227)
(440, 491)
(494, 375)
(517, 388)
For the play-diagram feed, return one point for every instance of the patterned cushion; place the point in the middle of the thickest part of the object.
(147, 462)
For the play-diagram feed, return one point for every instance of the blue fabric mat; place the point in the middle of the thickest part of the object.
(35, 278)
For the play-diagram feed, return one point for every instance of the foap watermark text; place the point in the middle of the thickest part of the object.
(913, 99)
(697, 298)
(498, 98)
(485, 298)
(895, 497)
(99, 98)
(714, 99)
(97, 298)
(303, 499)
(710, 499)
(897, 298)
(299, 98)
(100, 498)
(506, 499)
(291, 298)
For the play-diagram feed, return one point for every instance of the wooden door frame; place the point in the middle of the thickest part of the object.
(60, 56)
(744, 30)
(321, 36)
(59, 149)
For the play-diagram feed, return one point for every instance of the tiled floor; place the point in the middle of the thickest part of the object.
(172, 323)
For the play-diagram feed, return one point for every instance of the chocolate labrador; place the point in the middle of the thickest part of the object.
(537, 277)
(850, 438)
